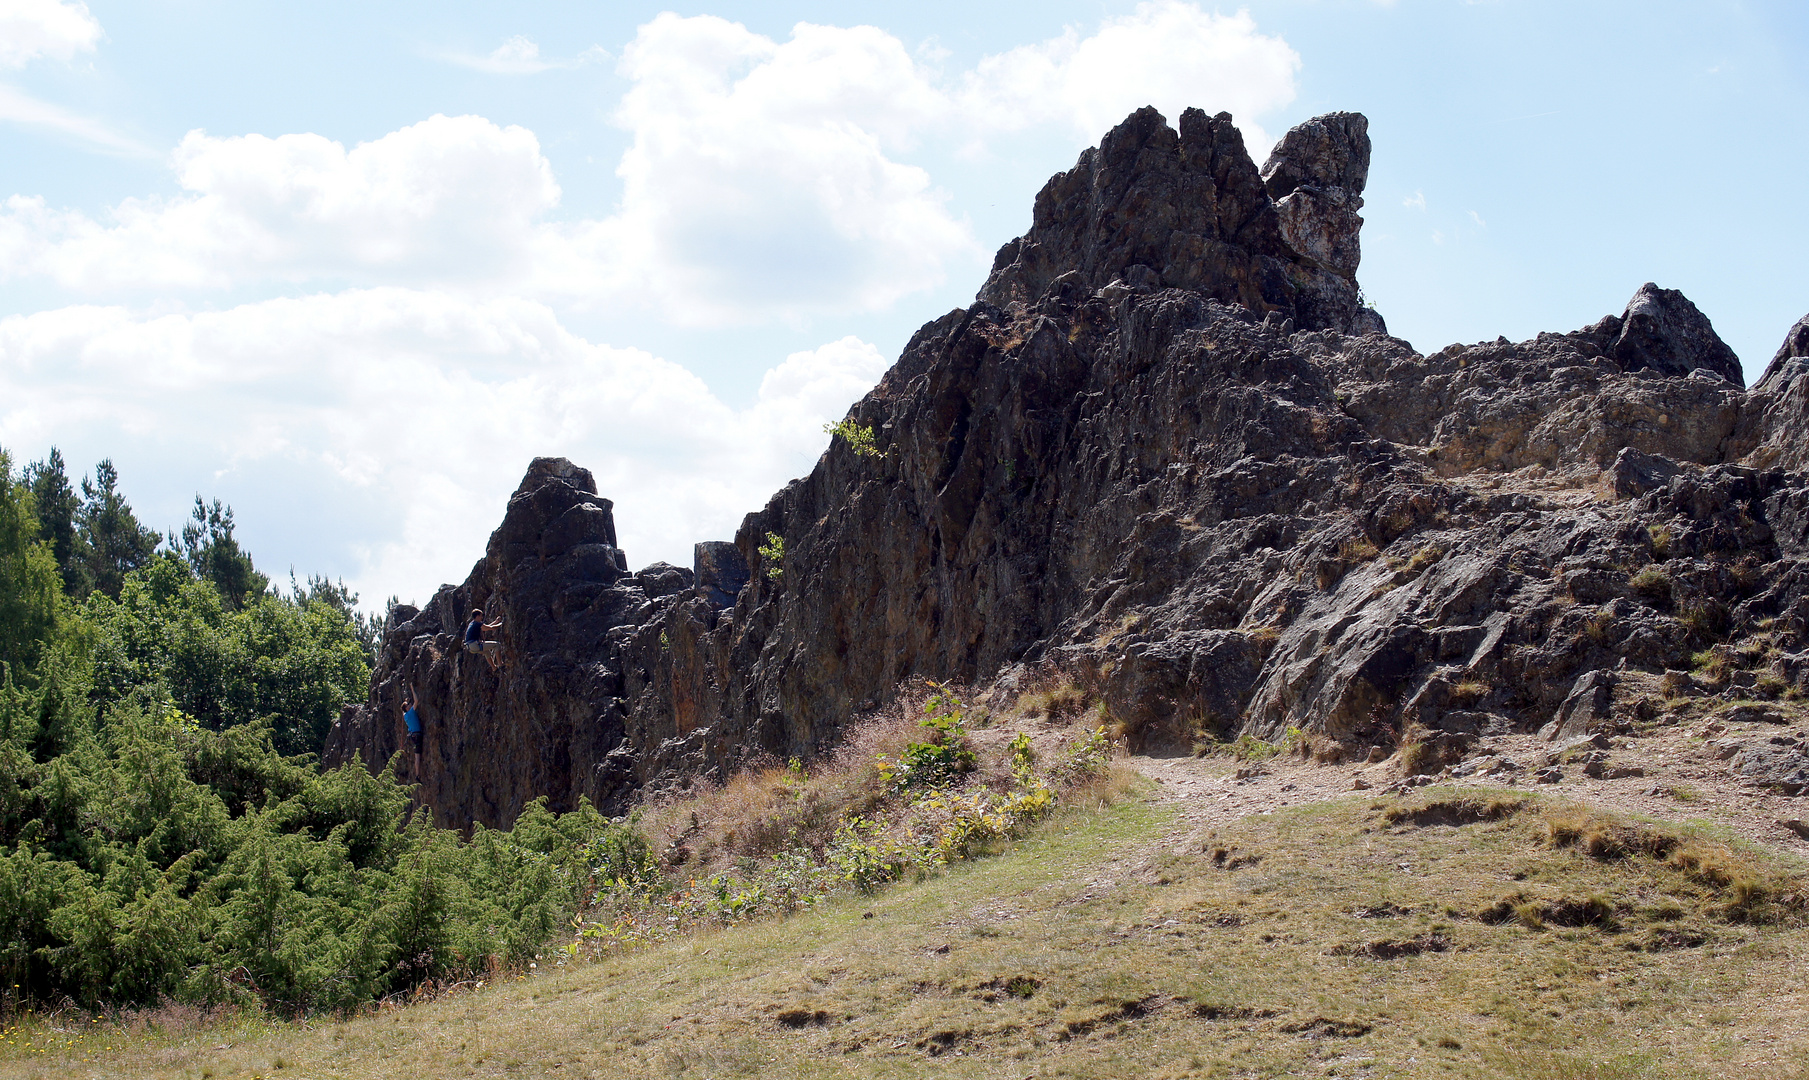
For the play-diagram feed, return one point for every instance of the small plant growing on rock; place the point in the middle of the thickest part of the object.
(1706, 620)
(773, 554)
(1360, 549)
(1599, 629)
(1469, 692)
(859, 438)
(1651, 582)
(1425, 557)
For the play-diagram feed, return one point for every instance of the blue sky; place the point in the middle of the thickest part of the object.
(347, 266)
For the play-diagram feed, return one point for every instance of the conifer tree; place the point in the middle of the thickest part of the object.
(116, 544)
(214, 556)
(58, 507)
(29, 587)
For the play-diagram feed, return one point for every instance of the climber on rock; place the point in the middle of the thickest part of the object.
(475, 642)
(411, 716)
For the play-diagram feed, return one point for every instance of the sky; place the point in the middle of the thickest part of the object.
(350, 266)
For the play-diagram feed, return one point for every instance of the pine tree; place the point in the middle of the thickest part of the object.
(29, 588)
(116, 544)
(214, 556)
(58, 507)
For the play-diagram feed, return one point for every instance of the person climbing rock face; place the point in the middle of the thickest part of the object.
(411, 716)
(475, 642)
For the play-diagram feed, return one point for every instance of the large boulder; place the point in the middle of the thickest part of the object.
(548, 719)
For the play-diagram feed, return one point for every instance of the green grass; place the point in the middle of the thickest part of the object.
(1353, 938)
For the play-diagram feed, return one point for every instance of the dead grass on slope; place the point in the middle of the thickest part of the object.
(1353, 939)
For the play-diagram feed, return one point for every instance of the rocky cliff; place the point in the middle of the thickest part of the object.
(1169, 456)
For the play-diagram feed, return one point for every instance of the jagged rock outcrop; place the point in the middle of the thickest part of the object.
(1167, 455)
(1773, 426)
(546, 720)
(1157, 207)
(1316, 176)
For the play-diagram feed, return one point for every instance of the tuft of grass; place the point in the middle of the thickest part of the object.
(1425, 557)
(1063, 701)
(1462, 810)
(1358, 550)
(1740, 889)
(1469, 692)
(1652, 582)
(1250, 748)
(1706, 620)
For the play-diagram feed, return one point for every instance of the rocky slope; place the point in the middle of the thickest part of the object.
(1166, 455)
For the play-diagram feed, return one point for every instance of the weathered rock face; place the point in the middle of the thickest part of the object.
(1165, 454)
(1773, 425)
(547, 719)
(1316, 176)
(1662, 331)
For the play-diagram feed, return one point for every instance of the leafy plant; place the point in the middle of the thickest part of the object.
(859, 438)
(773, 554)
(935, 762)
(1089, 756)
(865, 858)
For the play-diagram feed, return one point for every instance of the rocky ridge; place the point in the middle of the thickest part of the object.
(1167, 455)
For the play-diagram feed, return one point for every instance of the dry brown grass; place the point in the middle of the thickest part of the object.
(1736, 884)
(1468, 692)
(769, 808)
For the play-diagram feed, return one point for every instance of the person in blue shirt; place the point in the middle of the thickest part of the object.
(411, 716)
(475, 642)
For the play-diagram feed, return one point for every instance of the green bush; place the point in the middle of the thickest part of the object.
(936, 762)
(773, 554)
(859, 438)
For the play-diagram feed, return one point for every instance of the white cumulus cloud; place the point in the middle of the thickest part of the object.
(423, 407)
(448, 199)
(765, 180)
(49, 28)
(1164, 53)
(759, 181)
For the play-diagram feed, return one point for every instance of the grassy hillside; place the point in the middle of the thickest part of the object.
(1450, 932)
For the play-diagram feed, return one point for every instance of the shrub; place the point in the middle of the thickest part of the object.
(773, 554)
(945, 755)
(859, 438)
(866, 859)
